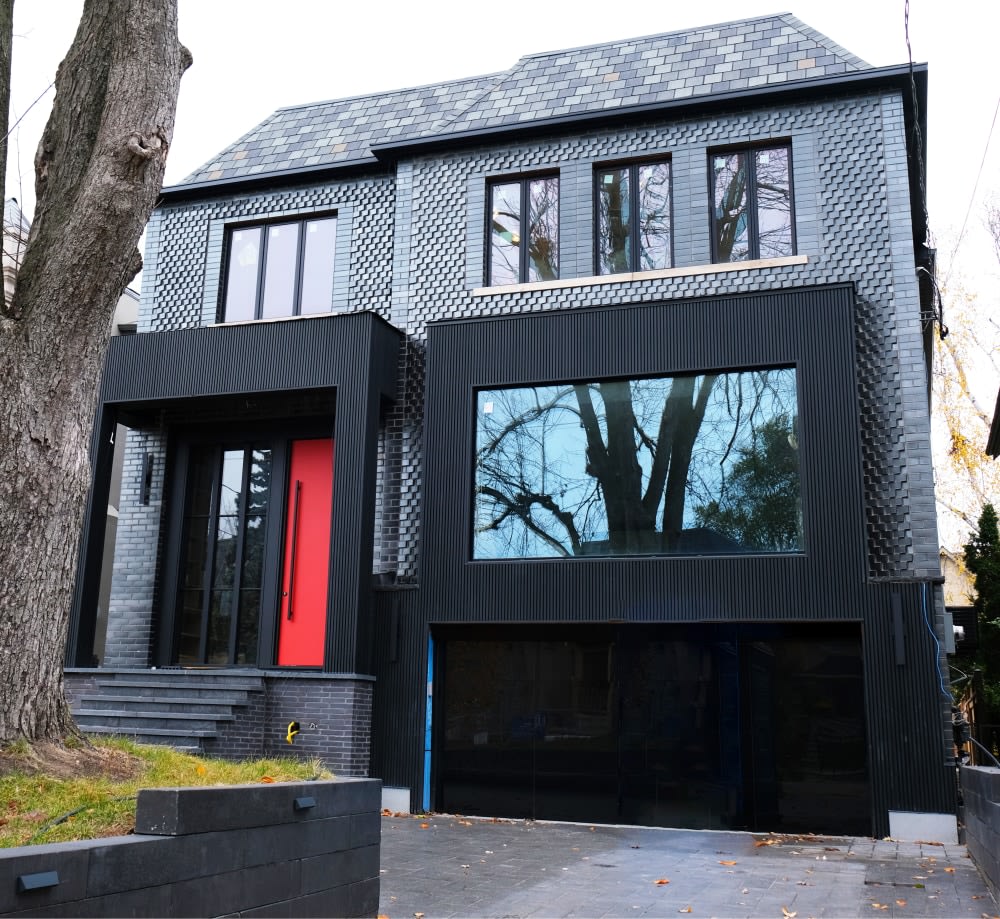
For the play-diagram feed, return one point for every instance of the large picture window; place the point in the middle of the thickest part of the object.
(752, 214)
(524, 231)
(280, 269)
(702, 464)
(633, 218)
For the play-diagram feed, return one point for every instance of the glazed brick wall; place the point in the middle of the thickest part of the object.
(415, 254)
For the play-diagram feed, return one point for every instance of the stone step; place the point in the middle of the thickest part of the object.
(115, 703)
(181, 693)
(197, 725)
(182, 684)
(181, 740)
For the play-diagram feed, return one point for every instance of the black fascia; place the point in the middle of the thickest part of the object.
(174, 194)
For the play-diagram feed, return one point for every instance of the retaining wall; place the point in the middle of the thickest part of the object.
(981, 799)
(287, 849)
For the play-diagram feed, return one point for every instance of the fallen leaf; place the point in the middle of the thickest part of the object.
(901, 903)
(201, 770)
(382, 916)
(788, 914)
(976, 896)
(727, 863)
(920, 877)
(267, 780)
(920, 886)
(686, 909)
(418, 916)
(924, 842)
(950, 870)
(661, 882)
(386, 812)
(880, 905)
(425, 826)
(465, 823)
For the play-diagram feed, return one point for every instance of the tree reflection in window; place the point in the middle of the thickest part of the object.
(687, 464)
(633, 218)
(752, 216)
(524, 231)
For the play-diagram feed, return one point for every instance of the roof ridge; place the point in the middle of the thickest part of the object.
(652, 36)
(824, 40)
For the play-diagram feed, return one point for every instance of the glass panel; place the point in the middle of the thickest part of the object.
(654, 216)
(192, 614)
(669, 465)
(241, 276)
(232, 482)
(220, 616)
(614, 250)
(317, 271)
(774, 202)
(505, 233)
(732, 232)
(259, 482)
(246, 634)
(254, 537)
(280, 270)
(543, 230)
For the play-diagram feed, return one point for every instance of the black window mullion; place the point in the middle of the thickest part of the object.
(753, 224)
(633, 217)
(261, 261)
(300, 267)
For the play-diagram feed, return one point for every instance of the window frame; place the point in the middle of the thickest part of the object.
(753, 229)
(300, 221)
(633, 167)
(524, 181)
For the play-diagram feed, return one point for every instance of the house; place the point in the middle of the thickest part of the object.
(552, 443)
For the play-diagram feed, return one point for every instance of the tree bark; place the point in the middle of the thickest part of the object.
(98, 171)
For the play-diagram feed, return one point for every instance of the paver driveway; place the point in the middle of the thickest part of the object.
(439, 866)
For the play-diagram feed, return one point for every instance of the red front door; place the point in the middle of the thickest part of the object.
(306, 564)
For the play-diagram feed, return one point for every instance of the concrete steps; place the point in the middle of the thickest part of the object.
(179, 708)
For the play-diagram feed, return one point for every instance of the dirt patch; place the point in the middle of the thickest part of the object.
(70, 762)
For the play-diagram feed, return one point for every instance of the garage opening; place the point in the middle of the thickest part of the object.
(720, 726)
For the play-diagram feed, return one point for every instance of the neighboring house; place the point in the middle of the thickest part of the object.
(592, 395)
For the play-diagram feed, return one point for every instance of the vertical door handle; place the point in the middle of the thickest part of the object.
(294, 549)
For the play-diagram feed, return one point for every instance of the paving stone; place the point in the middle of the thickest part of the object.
(517, 869)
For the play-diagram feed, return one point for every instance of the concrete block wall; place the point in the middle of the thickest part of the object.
(981, 797)
(288, 849)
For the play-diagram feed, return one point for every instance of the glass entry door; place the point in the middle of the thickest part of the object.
(253, 551)
(225, 521)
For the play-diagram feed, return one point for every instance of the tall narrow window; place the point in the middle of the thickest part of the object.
(225, 518)
(280, 269)
(524, 231)
(752, 214)
(633, 218)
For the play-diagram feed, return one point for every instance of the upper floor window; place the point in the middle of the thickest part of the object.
(633, 218)
(280, 269)
(752, 214)
(524, 231)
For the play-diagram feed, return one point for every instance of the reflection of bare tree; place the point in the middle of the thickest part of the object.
(633, 200)
(524, 214)
(753, 204)
(614, 467)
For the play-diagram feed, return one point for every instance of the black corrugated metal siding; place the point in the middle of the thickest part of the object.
(810, 329)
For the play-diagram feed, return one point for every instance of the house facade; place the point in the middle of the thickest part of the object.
(552, 443)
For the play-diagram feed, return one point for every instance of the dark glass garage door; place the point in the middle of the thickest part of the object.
(716, 726)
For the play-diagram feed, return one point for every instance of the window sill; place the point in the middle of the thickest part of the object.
(628, 278)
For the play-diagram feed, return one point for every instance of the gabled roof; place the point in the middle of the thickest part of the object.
(746, 55)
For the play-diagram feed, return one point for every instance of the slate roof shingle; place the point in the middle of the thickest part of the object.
(657, 69)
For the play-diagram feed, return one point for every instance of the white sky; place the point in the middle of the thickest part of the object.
(253, 56)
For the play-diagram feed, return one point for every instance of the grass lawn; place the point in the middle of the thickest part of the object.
(55, 793)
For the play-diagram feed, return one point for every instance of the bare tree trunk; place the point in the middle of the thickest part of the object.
(98, 171)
